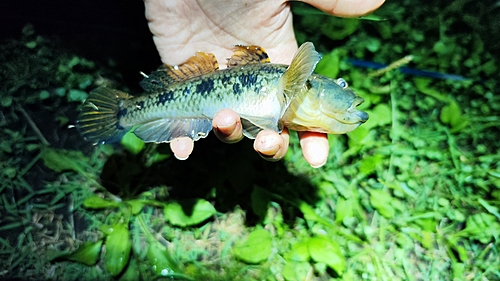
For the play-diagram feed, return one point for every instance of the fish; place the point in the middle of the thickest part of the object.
(181, 100)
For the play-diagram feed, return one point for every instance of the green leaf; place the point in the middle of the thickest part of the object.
(308, 211)
(60, 92)
(160, 259)
(427, 239)
(96, 202)
(77, 95)
(6, 101)
(381, 200)
(384, 29)
(256, 248)
(200, 211)
(296, 271)
(453, 242)
(299, 251)
(118, 246)
(61, 160)
(451, 115)
(10, 172)
(31, 44)
(492, 209)
(458, 270)
(359, 135)
(133, 272)
(132, 143)
(136, 205)
(422, 85)
(44, 95)
(157, 157)
(325, 250)
(84, 81)
(329, 64)
(87, 253)
(6, 146)
(483, 227)
(373, 44)
(370, 163)
(344, 209)
(380, 115)
(440, 47)
(74, 61)
(338, 29)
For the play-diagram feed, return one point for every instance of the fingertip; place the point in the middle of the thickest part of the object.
(271, 145)
(346, 8)
(182, 147)
(227, 126)
(315, 148)
(357, 8)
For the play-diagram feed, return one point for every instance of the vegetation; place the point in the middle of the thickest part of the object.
(413, 194)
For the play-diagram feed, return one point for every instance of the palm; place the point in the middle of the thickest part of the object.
(182, 27)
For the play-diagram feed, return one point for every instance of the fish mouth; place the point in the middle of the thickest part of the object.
(354, 115)
(344, 121)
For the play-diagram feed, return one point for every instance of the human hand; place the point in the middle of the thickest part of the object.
(182, 27)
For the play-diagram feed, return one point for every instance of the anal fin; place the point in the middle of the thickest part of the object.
(165, 130)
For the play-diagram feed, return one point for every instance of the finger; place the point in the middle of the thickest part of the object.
(346, 8)
(227, 126)
(182, 147)
(271, 145)
(314, 148)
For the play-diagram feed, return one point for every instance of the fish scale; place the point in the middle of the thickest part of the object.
(207, 94)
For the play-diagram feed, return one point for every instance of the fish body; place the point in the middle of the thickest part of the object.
(182, 100)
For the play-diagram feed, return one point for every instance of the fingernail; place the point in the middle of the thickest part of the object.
(226, 130)
(181, 158)
(318, 166)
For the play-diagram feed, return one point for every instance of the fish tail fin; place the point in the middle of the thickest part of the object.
(294, 79)
(99, 120)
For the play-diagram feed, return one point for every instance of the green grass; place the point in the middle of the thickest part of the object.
(413, 194)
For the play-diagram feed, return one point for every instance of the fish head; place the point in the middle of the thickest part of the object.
(338, 105)
(325, 105)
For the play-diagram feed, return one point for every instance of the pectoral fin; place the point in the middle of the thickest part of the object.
(165, 130)
(294, 79)
(253, 125)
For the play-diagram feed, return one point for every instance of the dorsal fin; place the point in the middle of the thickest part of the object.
(199, 64)
(248, 55)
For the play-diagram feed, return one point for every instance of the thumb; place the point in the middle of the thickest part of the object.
(346, 8)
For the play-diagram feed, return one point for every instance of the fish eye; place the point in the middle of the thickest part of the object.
(342, 83)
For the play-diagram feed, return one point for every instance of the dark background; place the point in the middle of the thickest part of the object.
(99, 30)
